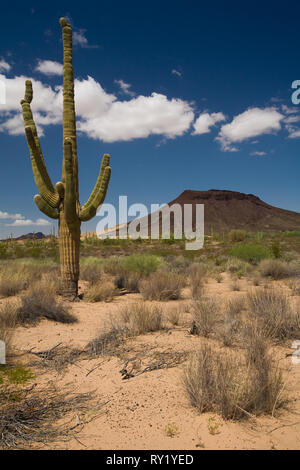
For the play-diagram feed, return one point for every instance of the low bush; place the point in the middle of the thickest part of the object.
(276, 269)
(40, 302)
(102, 291)
(141, 318)
(250, 253)
(237, 235)
(204, 312)
(232, 386)
(162, 286)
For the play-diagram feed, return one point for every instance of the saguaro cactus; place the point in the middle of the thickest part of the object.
(62, 201)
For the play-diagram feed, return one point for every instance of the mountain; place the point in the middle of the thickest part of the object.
(225, 210)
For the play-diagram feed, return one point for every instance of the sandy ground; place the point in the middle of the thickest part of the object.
(138, 412)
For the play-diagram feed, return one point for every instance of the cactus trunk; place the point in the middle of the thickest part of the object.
(62, 201)
(69, 250)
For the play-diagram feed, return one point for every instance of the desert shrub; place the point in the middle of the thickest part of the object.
(197, 273)
(218, 278)
(11, 284)
(112, 265)
(128, 280)
(141, 318)
(101, 291)
(40, 302)
(238, 267)
(271, 312)
(231, 322)
(3, 250)
(250, 253)
(8, 316)
(229, 385)
(144, 264)
(162, 286)
(276, 269)
(204, 312)
(174, 314)
(178, 264)
(235, 285)
(91, 273)
(237, 235)
(276, 250)
(108, 342)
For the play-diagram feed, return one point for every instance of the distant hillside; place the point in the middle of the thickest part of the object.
(30, 236)
(225, 210)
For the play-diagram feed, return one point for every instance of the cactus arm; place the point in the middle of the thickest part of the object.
(89, 209)
(45, 208)
(70, 195)
(39, 169)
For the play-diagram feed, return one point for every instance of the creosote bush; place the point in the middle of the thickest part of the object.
(237, 235)
(231, 385)
(162, 286)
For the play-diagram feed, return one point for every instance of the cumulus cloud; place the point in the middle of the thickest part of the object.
(26, 222)
(49, 67)
(250, 123)
(125, 87)
(4, 66)
(99, 114)
(205, 121)
(6, 215)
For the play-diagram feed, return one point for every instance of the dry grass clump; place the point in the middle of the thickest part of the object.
(230, 327)
(276, 269)
(231, 385)
(162, 286)
(91, 273)
(109, 341)
(174, 314)
(38, 302)
(11, 283)
(197, 275)
(204, 312)
(271, 312)
(8, 320)
(102, 291)
(128, 280)
(141, 318)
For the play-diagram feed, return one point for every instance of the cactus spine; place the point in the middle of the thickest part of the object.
(62, 201)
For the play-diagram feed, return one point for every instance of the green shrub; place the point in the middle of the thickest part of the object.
(250, 253)
(142, 263)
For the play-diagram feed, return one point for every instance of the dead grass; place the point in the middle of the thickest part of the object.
(276, 269)
(8, 320)
(38, 302)
(272, 313)
(204, 312)
(141, 318)
(102, 291)
(229, 329)
(162, 286)
(229, 385)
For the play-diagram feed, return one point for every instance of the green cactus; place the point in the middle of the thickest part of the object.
(62, 201)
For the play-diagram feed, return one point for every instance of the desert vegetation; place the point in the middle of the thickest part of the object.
(222, 320)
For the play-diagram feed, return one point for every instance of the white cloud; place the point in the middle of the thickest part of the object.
(251, 123)
(294, 133)
(176, 72)
(26, 222)
(4, 66)
(49, 67)
(99, 114)
(125, 87)
(6, 215)
(205, 121)
(258, 153)
(80, 40)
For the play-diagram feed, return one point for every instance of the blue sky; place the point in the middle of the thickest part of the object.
(183, 95)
